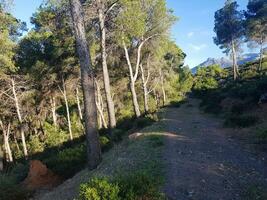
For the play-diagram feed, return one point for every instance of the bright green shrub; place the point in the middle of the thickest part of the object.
(99, 189)
(54, 136)
(35, 145)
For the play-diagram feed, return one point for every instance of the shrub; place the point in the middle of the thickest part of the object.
(105, 143)
(10, 190)
(117, 134)
(54, 136)
(241, 121)
(68, 161)
(156, 141)
(99, 189)
(139, 185)
(35, 145)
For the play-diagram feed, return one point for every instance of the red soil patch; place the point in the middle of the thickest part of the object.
(40, 177)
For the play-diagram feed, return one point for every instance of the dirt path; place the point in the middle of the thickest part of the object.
(202, 162)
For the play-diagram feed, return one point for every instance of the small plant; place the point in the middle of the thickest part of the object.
(241, 121)
(99, 189)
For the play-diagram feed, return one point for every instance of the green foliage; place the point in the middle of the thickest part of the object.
(35, 145)
(99, 189)
(137, 185)
(68, 161)
(11, 190)
(241, 121)
(208, 78)
(228, 26)
(54, 135)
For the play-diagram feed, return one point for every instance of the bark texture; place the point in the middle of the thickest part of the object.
(87, 80)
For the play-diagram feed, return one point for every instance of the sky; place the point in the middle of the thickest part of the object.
(193, 32)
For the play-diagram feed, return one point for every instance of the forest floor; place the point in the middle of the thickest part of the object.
(199, 159)
(204, 162)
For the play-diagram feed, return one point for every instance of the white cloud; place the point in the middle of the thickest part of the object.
(198, 47)
(190, 34)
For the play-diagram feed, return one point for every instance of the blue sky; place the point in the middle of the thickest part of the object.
(193, 32)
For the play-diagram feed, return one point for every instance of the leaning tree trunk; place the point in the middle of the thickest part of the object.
(132, 83)
(100, 107)
(64, 93)
(25, 151)
(87, 80)
(110, 103)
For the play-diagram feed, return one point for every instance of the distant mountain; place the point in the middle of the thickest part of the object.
(225, 62)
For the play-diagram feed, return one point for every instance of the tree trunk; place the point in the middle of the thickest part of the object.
(25, 151)
(78, 104)
(53, 109)
(64, 92)
(132, 84)
(87, 80)
(100, 107)
(235, 66)
(110, 103)
(162, 88)
(6, 134)
(1, 159)
(144, 85)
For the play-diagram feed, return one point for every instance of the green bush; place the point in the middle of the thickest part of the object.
(35, 145)
(54, 136)
(10, 190)
(105, 143)
(135, 186)
(99, 189)
(240, 121)
(117, 135)
(139, 185)
(68, 161)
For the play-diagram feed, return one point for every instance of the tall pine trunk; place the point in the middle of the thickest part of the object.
(110, 103)
(22, 134)
(87, 80)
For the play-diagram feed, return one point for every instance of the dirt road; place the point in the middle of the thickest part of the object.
(203, 162)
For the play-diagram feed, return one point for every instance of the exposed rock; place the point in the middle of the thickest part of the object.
(40, 177)
(135, 135)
